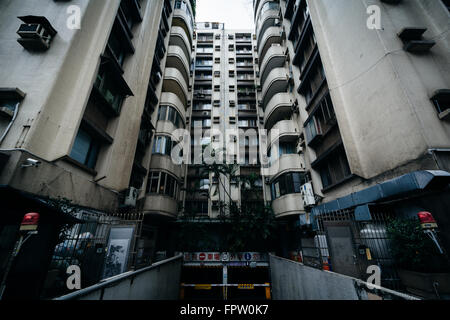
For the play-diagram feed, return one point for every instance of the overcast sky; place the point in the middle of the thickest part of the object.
(236, 14)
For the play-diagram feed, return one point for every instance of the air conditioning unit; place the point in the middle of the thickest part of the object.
(283, 33)
(34, 37)
(299, 148)
(308, 195)
(131, 196)
(295, 108)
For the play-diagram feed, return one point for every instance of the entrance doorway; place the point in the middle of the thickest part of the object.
(224, 282)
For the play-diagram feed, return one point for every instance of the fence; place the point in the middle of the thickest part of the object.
(295, 281)
(102, 246)
(360, 243)
(160, 281)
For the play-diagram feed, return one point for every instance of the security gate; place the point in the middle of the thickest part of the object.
(102, 246)
(348, 246)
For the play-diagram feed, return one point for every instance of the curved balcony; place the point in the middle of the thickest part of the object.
(277, 81)
(277, 109)
(286, 163)
(283, 131)
(267, 20)
(177, 59)
(171, 99)
(274, 58)
(161, 162)
(288, 205)
(179, 37)
(175, 83)
(256, 7)
(156, 204)
(182, 19)
(166, 127)
(271, 36)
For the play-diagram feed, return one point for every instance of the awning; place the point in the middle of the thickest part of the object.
(23, 202)
(107, 62)
(395, 188)
(40, 20)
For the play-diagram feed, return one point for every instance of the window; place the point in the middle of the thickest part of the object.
(441, 101)
(163, 145)
(287, 148)
(197, 207)
(182, 5)
(169, 113)
(288, 183)
(117, 47)
(201, 123)
(334, 168)
(321, 120)
(162, 183)
(86, 148)
(247, 123)
(198, 106)
(204, 49)
(9, 100)
(130, 12)
(272, 5)
(110, 91)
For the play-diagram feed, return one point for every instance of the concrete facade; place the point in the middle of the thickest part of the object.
(161, 281)
(295, 281)
(383, 123)
(58, 85)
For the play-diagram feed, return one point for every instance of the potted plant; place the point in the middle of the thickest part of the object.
(423, 270)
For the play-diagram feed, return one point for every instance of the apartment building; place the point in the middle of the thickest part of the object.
(334, 118)
(361, 111)
(81, 83)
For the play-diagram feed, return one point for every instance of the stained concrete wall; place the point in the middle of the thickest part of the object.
(161, 281)
(295, 281)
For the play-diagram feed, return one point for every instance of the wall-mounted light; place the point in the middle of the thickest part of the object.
(31, 163)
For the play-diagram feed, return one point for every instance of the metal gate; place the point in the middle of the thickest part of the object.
(344, 245)
(89, 245)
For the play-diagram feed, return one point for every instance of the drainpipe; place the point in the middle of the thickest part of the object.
(16, 111)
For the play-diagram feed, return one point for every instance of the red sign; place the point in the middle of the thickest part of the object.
(30, 222)
(202, 256)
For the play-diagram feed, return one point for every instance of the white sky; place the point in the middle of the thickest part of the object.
(236, 14)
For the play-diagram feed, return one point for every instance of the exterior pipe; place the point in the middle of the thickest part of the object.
(16, 111)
